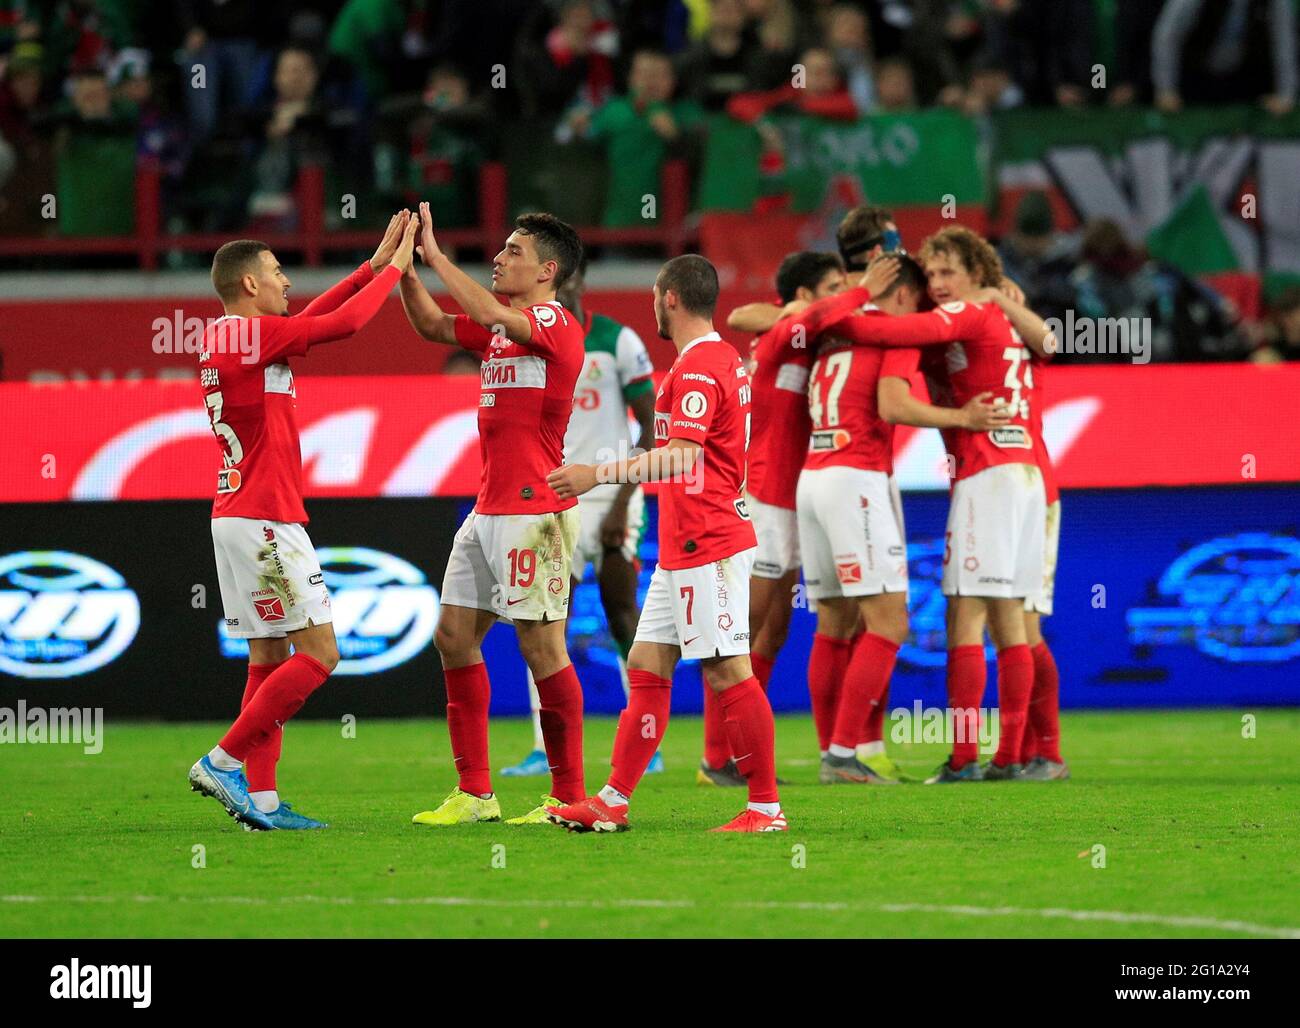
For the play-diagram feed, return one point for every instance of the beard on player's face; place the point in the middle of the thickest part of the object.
(661, 316)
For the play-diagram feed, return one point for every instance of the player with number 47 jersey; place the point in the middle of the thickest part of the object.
(698, 602)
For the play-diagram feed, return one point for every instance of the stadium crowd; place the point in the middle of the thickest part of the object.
(399, 100)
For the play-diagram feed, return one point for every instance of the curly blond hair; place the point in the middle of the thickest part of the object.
(974, 252)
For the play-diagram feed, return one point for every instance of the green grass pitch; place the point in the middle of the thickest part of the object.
(1198, 826)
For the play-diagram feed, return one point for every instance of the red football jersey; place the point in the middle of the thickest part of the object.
(250, 396)
(524, 408)
(1034, 376)
(984, 354)
(778, 442)
(847, 429)
(930, 363)
(705, 398)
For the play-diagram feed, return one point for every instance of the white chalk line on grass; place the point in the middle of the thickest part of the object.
(1049, 913)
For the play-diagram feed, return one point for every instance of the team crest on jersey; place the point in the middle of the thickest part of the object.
(545, 315)
(661, 425)
(694, 404)
(848, 572)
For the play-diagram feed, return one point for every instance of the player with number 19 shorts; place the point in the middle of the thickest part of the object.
(272, 589)
(513, 556)
(698, 602)
(616, 374)
(994, 553)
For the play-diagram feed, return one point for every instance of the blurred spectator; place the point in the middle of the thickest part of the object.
(940, 37)
(1228, 51)
(82, 34)
(1281, 330)
(1129, 81)
(781, 35)
(433, 148)
(1038, 258)
(221, 59)
(638, 130)
(848, 38)
(895, 87)
(20, 96)
(365, 36)
(573, 65)
(159, 135)
(292, 131)
(33, 158)
(820, 91)
(991, 87)
(1188, 320)
(95, 154)
(725, 62)
(1017, 32)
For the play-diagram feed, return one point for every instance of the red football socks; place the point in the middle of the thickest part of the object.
(259, 766)
(468, 695)
(1015, 683)
(561, 716)
(280, 696)
(826, 666)
(1044, 704)
(864, 683)
(876, 722)
(640, 728)
(966, 680)
(753, 737)
(717, 750)
(762, 668)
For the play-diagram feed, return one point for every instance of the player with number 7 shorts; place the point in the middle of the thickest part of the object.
(697, 606)
(272, 587)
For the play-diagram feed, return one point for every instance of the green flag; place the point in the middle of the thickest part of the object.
(1192, 239)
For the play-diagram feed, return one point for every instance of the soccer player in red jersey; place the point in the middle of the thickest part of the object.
(513, 555)
(780, 357)
(1040, 754)
(851, 525)
(698, 602)
(994, 554)
(272, 588)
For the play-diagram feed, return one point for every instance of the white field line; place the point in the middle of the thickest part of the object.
(1050, 913)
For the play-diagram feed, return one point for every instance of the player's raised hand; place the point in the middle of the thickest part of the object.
(404, 254)
(983, 412)
(388, 245)
(572, 480)
(880, 274)
(428, 248)
(1011, 291)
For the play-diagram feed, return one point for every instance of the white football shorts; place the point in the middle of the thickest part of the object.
(515, 565)
(851, 533)
(1042, 602)
(271, 582)
(778, 538)
(591, 513)
(995, 534)
(702, 610)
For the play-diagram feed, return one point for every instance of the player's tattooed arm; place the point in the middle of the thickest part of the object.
(898, 406)
(478, 302)
(423, 312)
(674, 458)
(1036, 333)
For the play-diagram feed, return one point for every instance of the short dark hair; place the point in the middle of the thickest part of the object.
(806, 268)
(860, 230)
(910, 273)
(232, 262)
(555, 241)
(694, 280)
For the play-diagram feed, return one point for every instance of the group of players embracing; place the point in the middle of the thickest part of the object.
(753, 470)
